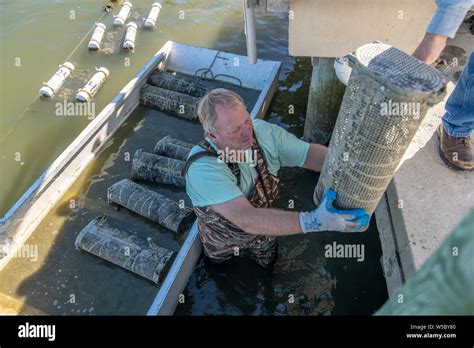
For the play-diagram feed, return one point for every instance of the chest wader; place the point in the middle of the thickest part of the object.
(221, 239)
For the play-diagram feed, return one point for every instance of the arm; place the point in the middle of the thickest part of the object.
(445, 22)
(273, 222)
(295, 152)
(315, 157)
(260, 221)
(430, 48)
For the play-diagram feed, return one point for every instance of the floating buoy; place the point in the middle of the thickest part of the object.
(123, 14)
(97, 36)
(130, 34)
(86, 93)
(153, 15)
(55, 82)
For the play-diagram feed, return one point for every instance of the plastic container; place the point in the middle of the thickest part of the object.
(130, 36)
(150, 22)
(97, 36)
(123, 14)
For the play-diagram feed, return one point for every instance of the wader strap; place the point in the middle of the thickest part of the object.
(193, 158)
(209, 151)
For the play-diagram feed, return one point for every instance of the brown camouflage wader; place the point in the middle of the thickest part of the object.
(222, 239)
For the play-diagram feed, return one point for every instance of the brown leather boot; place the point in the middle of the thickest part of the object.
(455, 151)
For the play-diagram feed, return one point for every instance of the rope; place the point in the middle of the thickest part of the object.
(209, 71)
(232, 77)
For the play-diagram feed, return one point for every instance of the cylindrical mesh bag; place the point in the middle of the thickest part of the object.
(387, 97)
(155, 168)
(124, 249)
(172, 147)
(165, 80)
(151, 205)
(171, 102)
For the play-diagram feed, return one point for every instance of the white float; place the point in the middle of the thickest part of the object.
(153, 15)
(55, 82)
(343, 70)
(130, 35)
(123, 14)
(97, 36)
(86, 93)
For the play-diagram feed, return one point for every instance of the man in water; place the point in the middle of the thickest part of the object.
(231, 178)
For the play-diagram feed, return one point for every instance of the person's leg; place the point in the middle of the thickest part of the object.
(458, 121)
(216, 248)
(264, 251)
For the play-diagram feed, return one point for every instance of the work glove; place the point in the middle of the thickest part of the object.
(327, 218)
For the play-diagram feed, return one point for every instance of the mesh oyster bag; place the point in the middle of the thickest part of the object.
(387, 97)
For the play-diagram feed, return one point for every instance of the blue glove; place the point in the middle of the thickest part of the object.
(327, 218)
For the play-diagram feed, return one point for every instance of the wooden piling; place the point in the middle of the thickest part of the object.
(124, 249)
(324, 101)
(162, 170)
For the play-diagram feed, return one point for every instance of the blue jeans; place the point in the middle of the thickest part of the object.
(459, 117)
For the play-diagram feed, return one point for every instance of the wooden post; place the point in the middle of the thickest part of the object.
(325, 96)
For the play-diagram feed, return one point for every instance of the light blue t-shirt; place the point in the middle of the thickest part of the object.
(210, 181)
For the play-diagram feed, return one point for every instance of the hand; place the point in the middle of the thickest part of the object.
(327, 218)
(430, 48)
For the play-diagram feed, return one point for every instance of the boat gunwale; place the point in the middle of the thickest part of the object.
(27, 211)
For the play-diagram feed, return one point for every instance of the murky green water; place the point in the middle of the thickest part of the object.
(41, 33)
(38, 35)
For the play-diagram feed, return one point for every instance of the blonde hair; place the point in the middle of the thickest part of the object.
(207, 106)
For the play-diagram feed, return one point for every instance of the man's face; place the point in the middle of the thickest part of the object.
(235, 128)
